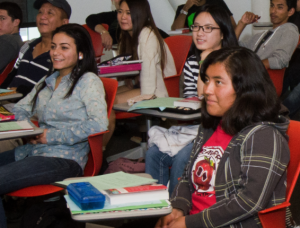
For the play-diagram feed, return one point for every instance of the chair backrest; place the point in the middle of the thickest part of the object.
(96, 40)
(277, 79)
(6, 71)
(298, 42)
(179, 47)
(95, 141)
(293, 169)
(111, 87)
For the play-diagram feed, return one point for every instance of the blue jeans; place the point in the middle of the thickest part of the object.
(158, 164)
(292, 102)
(30, 171)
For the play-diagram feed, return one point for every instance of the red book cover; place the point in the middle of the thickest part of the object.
(186, 30)
(5, 114)
(141, 188)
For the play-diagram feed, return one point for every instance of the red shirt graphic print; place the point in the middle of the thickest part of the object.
(204, 170)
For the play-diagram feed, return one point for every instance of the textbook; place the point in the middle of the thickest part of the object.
(119, 207)
(179, 31)
(193, 103)
(120, 63)
(5, 114)
(15, 126)
(119, 68)
(137, 194)
(4, 92)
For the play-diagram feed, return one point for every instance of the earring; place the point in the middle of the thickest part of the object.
(80, 57)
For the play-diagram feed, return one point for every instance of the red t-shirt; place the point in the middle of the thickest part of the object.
(204, 170)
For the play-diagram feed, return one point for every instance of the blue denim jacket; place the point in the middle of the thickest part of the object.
(69, 121)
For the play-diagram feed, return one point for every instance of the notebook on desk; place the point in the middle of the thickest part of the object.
(151, 208)
(15, 126)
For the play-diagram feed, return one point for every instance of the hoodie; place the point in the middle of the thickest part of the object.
(278, 48)
(251, 176)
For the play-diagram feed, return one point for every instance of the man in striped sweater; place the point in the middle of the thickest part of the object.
(34, 59)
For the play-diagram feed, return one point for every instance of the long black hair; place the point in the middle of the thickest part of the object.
(84, 45)
(256, 98)
(141, 17)
(222, 19)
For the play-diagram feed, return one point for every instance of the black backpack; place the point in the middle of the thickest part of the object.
(49, 215)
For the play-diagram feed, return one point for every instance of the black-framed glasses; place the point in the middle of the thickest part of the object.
(205, 28)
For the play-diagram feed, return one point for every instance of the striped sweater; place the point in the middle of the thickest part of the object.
(251, 177)
(191, 72)
(29, 70)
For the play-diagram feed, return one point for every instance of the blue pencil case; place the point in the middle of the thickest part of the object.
(86, 196)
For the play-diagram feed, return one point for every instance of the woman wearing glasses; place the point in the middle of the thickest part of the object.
(212, 30)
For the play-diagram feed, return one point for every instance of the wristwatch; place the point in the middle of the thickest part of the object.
(103, 32)
(183, 12)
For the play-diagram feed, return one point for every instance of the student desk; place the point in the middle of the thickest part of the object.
(36, 131)
(11, 96)
(141, 150)
(152, 112)
(122, 214)
(120, 74)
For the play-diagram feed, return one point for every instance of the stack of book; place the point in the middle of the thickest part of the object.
(132, 201)
(136, 194)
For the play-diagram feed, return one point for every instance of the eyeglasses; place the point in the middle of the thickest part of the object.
(205, 28)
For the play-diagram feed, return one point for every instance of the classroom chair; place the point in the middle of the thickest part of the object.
(277, 79)
(275, 216)
(95, 157)
(179, 47)
(97, 41)
(7, 70)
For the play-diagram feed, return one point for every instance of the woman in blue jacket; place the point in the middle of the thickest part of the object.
(70, 105)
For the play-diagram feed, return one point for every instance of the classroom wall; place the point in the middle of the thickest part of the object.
(81, 9)
(238, 8)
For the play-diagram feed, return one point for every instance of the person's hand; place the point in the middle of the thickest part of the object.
(40, 139)
(190, 3)
(249, 18)
(178, 223)
(169, 219)
(205, 53)
(106, 41)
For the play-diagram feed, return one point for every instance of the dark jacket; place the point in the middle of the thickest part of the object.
(110, 18)
(251, 176)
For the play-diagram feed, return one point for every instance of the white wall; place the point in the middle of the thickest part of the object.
(238, 8)
(81, 9)
(163, 14)
(163, 11)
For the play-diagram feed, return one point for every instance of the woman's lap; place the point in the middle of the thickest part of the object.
(158, 164)
(36, 170)
(7, 157)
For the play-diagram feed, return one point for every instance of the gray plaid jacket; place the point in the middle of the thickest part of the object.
(251, 176)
